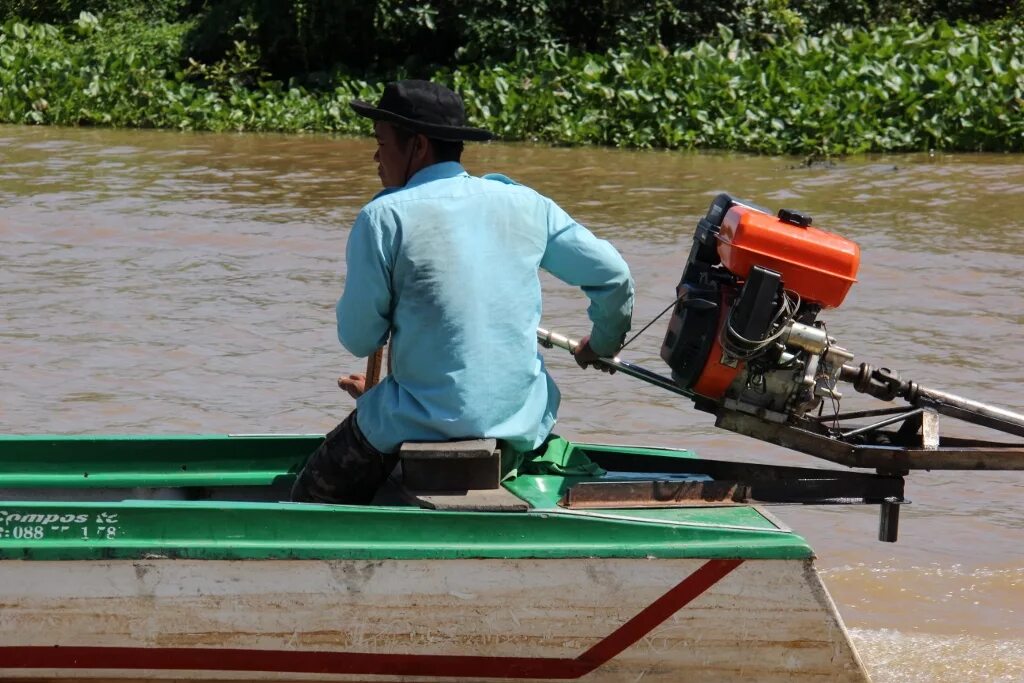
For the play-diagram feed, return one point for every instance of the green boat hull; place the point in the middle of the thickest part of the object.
(173, 557)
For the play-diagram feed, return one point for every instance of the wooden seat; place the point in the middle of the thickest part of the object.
(451, 465)
(455, 475)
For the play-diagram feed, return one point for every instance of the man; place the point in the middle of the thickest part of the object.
(446, 264)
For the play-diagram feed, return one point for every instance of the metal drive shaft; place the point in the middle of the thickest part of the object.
(886, 385)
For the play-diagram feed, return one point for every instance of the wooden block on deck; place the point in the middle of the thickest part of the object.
(451, 465)
(485, 500)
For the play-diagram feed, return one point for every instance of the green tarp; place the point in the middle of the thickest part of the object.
(557, 456)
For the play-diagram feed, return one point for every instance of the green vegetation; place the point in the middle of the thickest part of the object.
(796, 76)
(128, 75)
(893, 88)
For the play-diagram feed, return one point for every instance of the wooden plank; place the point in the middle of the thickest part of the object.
(451, 465)
(475, 500)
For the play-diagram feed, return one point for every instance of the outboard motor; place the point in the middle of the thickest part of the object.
(744, 332)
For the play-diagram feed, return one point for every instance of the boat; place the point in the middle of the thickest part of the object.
(128, 557)
(180, 557)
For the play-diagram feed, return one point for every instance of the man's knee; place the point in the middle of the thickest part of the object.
(343, 469)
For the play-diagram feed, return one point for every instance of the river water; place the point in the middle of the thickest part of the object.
(184, 283)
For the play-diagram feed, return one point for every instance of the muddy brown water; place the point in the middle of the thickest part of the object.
(184, 283)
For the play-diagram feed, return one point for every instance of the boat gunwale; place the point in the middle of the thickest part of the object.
(268, 529)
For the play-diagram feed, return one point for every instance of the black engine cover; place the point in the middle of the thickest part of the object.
(691, 332)
(694, 323)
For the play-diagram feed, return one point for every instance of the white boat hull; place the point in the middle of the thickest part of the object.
(657, 620)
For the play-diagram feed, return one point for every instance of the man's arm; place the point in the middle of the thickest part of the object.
(364, 309)
(575, 256)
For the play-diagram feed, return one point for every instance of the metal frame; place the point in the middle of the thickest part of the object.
(916, 445)
(736, 483)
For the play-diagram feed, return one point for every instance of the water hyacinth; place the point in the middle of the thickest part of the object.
(896, 87)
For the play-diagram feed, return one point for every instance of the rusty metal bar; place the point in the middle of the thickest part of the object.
(883, 423)
(808, 437)
(839, 417)
(654, 493)
(827, 487)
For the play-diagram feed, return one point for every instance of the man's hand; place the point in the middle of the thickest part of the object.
(354, 384)
(586, 356)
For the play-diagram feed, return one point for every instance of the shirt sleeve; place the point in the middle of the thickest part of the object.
(575, 256)
(364, 309)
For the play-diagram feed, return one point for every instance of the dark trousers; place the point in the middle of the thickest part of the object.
(345, 468)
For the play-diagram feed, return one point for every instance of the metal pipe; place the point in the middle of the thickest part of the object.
(839, 417)
(886, 385)
(548, 338)
(883, 423)
(971, 411)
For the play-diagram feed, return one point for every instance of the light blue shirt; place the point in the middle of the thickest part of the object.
(447, 266)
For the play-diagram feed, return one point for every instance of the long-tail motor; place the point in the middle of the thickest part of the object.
(745, 343)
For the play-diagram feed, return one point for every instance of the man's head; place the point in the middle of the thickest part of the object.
(402, 152)
(417, 123)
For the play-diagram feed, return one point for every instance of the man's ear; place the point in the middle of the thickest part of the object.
(422, 148)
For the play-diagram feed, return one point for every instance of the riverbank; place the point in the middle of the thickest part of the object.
(894, 88)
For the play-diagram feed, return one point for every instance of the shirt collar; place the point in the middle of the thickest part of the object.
(443, 169)
(438, 171)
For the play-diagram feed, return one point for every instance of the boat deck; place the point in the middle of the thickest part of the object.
(225, 497)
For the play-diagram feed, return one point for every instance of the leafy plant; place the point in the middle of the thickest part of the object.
(896, 87)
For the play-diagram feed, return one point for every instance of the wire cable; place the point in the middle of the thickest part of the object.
(654, 320)
(741, 348)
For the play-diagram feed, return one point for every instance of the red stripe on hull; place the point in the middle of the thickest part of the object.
(291, 661)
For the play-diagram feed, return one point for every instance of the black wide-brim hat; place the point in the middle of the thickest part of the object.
(423, 107)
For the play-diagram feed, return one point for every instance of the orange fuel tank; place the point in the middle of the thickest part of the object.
(818, 265)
